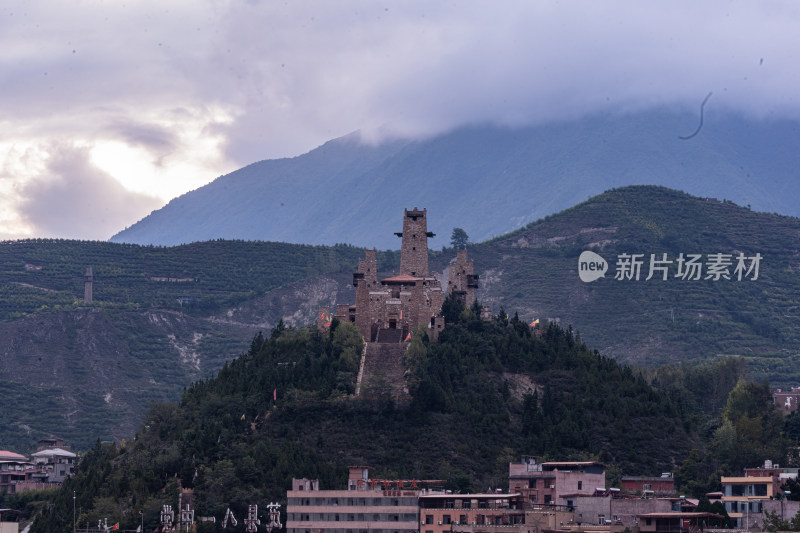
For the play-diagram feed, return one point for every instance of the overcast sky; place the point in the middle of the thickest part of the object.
(108, 109)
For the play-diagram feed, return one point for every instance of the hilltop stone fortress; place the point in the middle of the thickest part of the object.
(387, 312)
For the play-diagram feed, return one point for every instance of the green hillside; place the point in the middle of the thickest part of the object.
(535, 271)
(82, 372)
(42, 274)
(467, 417)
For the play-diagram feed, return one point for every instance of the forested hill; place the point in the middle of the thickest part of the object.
(158, 321)
(164, 317)
(535, 271)
(489, 392)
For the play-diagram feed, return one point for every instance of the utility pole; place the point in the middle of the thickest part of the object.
(73, 511)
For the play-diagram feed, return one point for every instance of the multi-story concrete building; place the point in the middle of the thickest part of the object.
(616, 508)
(677, 522)
(14, 469)
(366, 506)
(58, 463)
(559, 483)
(442, 513)
(663, 485)
(786, 400)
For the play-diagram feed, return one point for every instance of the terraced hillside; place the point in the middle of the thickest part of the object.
(163, 318)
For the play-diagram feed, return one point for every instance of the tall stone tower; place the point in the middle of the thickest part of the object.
(365, 281)
(87, 285)
(414, 247)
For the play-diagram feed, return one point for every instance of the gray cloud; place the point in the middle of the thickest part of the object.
(74, 199)
(277, 79)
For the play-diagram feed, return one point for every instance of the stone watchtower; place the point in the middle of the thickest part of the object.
(388, 311)
(365, 280)
(87, 285)
(462, 280)
(414, 247)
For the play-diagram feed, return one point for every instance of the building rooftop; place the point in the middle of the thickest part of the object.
(11, 456)
(52, 452)
(677, 514)
(470, 496)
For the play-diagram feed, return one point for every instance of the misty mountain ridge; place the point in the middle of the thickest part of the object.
(486, 179)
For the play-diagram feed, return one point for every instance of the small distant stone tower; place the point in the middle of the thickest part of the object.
(414, 247)
(87, 285)
(462, 280)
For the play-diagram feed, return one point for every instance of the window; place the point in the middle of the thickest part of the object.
(429, 519)
(547, 498)
(446, 519)
(462, 519)
(580, 485)
(533, 483)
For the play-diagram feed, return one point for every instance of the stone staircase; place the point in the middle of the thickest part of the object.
(382, 372)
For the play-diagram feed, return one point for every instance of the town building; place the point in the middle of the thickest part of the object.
(663, 485)
(786, 400)
(14, 469)
(559, 483)
(612, 507)
(9, 521)
(366, 506)
(748, 498)
(548, 497)
(443, 513)
(48, 468)
(57, 463)
(677, 522)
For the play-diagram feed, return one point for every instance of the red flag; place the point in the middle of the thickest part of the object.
(274, 395)
(115, 526)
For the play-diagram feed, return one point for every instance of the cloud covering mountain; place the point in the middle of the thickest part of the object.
(161, 98)
(486, 179)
